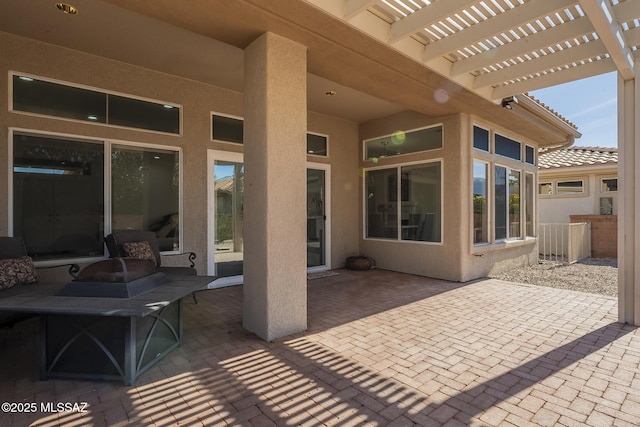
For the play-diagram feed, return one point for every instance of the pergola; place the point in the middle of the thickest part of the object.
(501, 48)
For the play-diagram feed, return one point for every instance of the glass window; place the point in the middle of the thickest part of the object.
(570, 187)
(145, 192)
(228, 129)
(404, 202)
(606, 206)
(382, 203)
(529, 212)
(530, 156)
(52, 99)
(500, 202)
(507, 147)
(61, 100)
(316, 144)
(515, 230)
(420, 207)
(608, 184)
(480, 138)
(404, 143)
(136, 113)
(480, 197)
(58, 196)
(545, 188)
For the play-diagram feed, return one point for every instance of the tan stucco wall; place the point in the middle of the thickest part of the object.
(198, 101)
(456, 258)
(343, 159)
(427, 259)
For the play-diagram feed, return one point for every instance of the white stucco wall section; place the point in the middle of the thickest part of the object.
(275, 281)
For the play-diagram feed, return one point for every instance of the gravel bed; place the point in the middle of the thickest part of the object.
(594, 275)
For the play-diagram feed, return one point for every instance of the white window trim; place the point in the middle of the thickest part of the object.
(229, 116)
(107, 221)
(400, 156)
(319, 156)
(489, 205)
(95, 89)
(398, 167)
(573, 194)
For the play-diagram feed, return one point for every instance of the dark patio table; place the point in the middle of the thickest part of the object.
(106, 338)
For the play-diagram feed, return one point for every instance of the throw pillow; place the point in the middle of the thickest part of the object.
(140, 250)
(17, 271)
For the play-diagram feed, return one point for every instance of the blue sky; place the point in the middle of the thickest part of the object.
(591, 104)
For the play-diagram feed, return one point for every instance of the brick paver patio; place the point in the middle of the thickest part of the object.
(382, 348)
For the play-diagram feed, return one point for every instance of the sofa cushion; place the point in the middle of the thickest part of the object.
(140, 250)
(17, 271)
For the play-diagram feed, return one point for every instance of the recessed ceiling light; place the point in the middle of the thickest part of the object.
(92, 117)
(330, 92)
(168, 107)
(26, 79)
(67, 8)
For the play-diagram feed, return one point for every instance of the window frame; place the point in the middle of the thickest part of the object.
(497, 160)
(608, 178)
(581, 193)
(107, 143)
(228, 116)
(180, 108)
(319, 156)
(398, 168)
(400, 156)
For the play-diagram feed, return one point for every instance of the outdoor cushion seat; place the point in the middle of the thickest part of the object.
(139, 243)
(18, 275)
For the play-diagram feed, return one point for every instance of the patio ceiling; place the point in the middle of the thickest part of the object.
(381, 56)
(501, 48)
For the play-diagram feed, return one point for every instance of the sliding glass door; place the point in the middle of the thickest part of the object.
(226, 200)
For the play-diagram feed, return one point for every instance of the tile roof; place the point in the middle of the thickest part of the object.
(577, 156)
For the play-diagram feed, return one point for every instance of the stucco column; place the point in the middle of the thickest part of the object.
(275, 126)
(629, 200)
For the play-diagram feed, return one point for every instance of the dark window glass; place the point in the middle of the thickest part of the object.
(480, 138)
(404, 143)
(145, 187)
(382, 203)
(507, 147)
(569, 187)
(52, 99)
(228, 129)
(421, 217)
(609, 184)
(500, 205)
(140, 114)
(58, 196)
(316, 145)
(530, 155)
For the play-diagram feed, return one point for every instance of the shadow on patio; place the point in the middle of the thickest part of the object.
(382, 348)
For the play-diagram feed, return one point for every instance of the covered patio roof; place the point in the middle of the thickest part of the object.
(381, 57)
(502, 48)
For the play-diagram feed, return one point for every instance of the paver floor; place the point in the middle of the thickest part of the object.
(382, 348)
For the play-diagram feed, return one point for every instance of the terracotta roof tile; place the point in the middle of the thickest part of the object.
(577, 156)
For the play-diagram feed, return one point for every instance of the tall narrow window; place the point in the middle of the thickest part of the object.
(529, 212)
(420, 209)
(515, 231)
(480, 138)
(58, 196)
(480, 197)
(382, 203)
(500, 202)
(145, 192)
